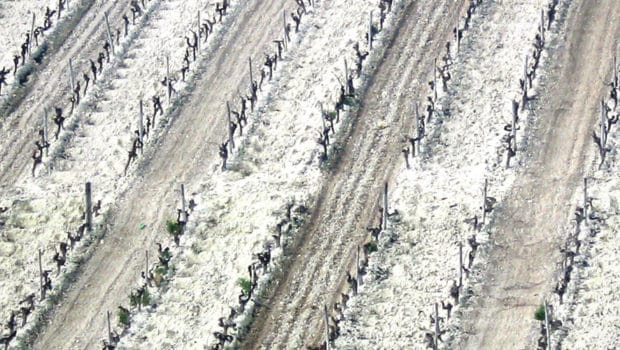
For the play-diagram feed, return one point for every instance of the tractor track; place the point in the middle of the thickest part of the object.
(20, 133)
(51, 87)
(349, 197)
(179, 155)
(524, 242)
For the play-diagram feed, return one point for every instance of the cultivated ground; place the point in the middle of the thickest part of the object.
(442, 191)
(41, 209)
(350, 198)
(276, 162)
(529, 229)
(16, 17)
(151, 200)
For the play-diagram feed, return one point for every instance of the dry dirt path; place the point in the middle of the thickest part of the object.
(180, 156)
(529, 226)
(349, 197)
(19, 128)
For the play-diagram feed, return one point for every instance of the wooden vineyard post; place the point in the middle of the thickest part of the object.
(322, 116)
(89, 206)
(385, 207)
(183, 212)
(547, 326)
(252, 274)
(107, 27)
(524, 96)
(416, 133)
(436, 326)
(284, 27)
(41, 276)
(71, 75)
(615, 84)
(435, 80)
(346, 77)
(484, 202)
(458, 36)
(199, 33)
(515, 117)
(326, 327)
(460, 264)
(168, 85)
(251, 75)
(280, 244)
(358, 268)
(45, 131)
(542, 24)
(419, 135)
(109, 329)
(231, 142)
(31, 36)
(141, 123)
(370, 31)
(585, 201)
(146, 267)
(603, 125)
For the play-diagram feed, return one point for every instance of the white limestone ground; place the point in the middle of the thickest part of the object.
(444, 188)
(589, 313)
(16, 21)
(237, 210)
(106, 120)
(44, 208)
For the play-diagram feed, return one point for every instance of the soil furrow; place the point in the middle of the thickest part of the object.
(180, 155)
(349, 198)
(527, 233)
